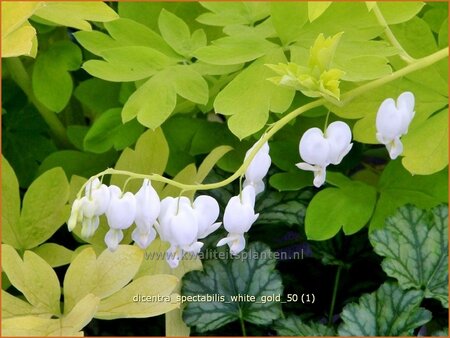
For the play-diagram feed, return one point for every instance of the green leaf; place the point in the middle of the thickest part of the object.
(316, 9)
(44, 208)
(126, 303)
(288, 18)
(102, 276)
(398, 187)
(426, 147)
(18, 36)
(150, 156)
(349, 206)
(81, 314)
(250, 276)
(435, 17)
(155, 100)
(11, 206)
(398, 12)
(98, 95)
(78, 163)
(16, 307)
(416, 37)
(294, 326)
(51, 80)
(210, 161)
(69, 325)
(130, 63)
(234, 50)
(175, 32)
(291, 180)
(54, 254)
(229, 13)
(389, 311)
(76, 14)
(414, 243)
(34, 278)
(249, 116)
(282, 208)
(131, 33)
(108, 131)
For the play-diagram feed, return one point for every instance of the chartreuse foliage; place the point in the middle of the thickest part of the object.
(253, 275)
(19, 37)
(99, 287)
(174, 89)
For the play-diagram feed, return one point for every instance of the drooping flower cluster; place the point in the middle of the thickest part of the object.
(178, 221)
(393, 122)
(182, 223)
(319, 149)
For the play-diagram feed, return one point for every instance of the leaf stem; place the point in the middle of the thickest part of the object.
(333, 299)
(244, 332)
(390, 36)
(22, 79)
(275, 127)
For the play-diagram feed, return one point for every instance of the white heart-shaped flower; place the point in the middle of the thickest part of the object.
(122, 209)
(393, 120)
(206, 210)
(258, 168)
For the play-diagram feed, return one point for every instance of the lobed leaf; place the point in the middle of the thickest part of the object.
(250, 276)
(414, 243)
(390, 311)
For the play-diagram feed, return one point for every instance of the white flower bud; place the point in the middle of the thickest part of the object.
(393, 121)
(148, 207)
(112, 239)
(258, 168)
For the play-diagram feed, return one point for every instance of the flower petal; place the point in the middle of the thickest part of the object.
(339, 136)
(314, 148)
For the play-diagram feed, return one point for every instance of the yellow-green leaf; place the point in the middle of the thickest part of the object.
(15, 307)
(28, 326)
(81, 314)
(102, 276)
(34, 278)
(54, 254)
(150, 156)
(10, 205)
(127, 304)
(186, 176)
(76, 14)
(19, 42)
(316, 9)
(210, 161)
(44, 208)
(426, 147)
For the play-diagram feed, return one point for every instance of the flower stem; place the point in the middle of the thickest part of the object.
(390, 36)
(275, 127)
(333, 299)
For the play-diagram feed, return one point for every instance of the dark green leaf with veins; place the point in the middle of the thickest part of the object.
(414, 243)
(250, 276)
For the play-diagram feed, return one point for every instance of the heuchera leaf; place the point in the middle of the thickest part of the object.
(295, 326)
(390, 311)
(250, 276)
(414, 243)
